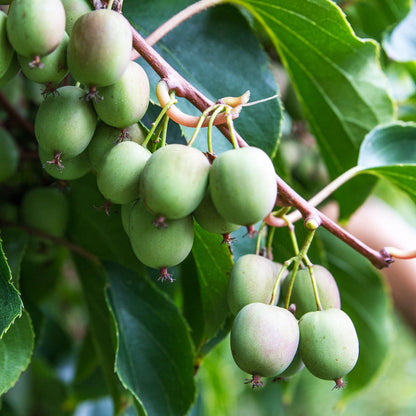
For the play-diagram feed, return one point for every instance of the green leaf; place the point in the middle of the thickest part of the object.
(92, 229)
(336, 75)
(216, 52)
(213, 263)
(390, 152)
(364, 297)
(103, 331)
(10, 302)
(372, 18)
(155, 353)
(16, 348)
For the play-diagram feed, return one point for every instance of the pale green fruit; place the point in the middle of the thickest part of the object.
(9, 155)
(328, 343)
(209, 218)
(99, 47)
(6, 50)
(72, 168)
(251, 280)
(54, 67)
(46, 209)
(35, 27)
(125, 102)
(243, 185)
(125, 215)
(119, 175)
(11, 72)
(264, 339)
(303, 295)
(295, 366)
(73, 10)
(106, 137)
(159, 247)
(65, 122)
(174, 181)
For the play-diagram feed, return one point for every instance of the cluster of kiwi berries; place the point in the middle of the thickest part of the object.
(268, 340)
(161, 193)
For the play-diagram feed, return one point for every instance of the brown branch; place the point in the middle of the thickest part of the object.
(287, 196)
(57, 240)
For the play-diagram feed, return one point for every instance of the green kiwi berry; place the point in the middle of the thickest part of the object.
(6, 50)
(174, 181)
(73, 10)
(124, 102)
(11, 72)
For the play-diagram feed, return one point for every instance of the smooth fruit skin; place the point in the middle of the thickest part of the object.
(65, 122)
(251, 280)
(46, 209)
(174, 181)
(119, 175)
(210, 219)
(125, 102)
(159, 247)
(264, 339)
(243, 185)
(35, 27)
(9, 155)
(54, 67)
(11, 72)
(6, 50)
(73, 10)
(125, 215)
(106, 137)
(302, 293)
(73, 168)
(99, 47)
(328, 343)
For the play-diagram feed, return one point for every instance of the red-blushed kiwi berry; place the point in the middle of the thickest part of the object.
(124, 102)
(9, 155)
(35, 27)
(264, 340)
(328, 344)
(46, 209)
(302, 292)
(6, 50)
(65, 123)
(163, 247)
(243, 185)
(119, 174)
(65, 169)
(53, 68)
(73, 10)
(106, 137)
(251, 280)
(174, 181)
(99, 47)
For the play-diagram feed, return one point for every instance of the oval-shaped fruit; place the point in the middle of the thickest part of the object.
(159, 247)
(99, 47)
(174, 181)
(243, 185)
(35, 27)
(73, 10)
(264, 339)
(54, 67)
(106, 137)
(210, 219)
(46, 209)
(69, 169)
(251, 280)
(6, 50)
(65, 122)
(328, 343)
(9, 155)
(119, 175)
(11, 72)
(125, 215)
(302, 292)
(125, 102)
(294, 367)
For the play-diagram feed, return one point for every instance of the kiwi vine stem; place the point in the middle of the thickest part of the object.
(287, 196)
